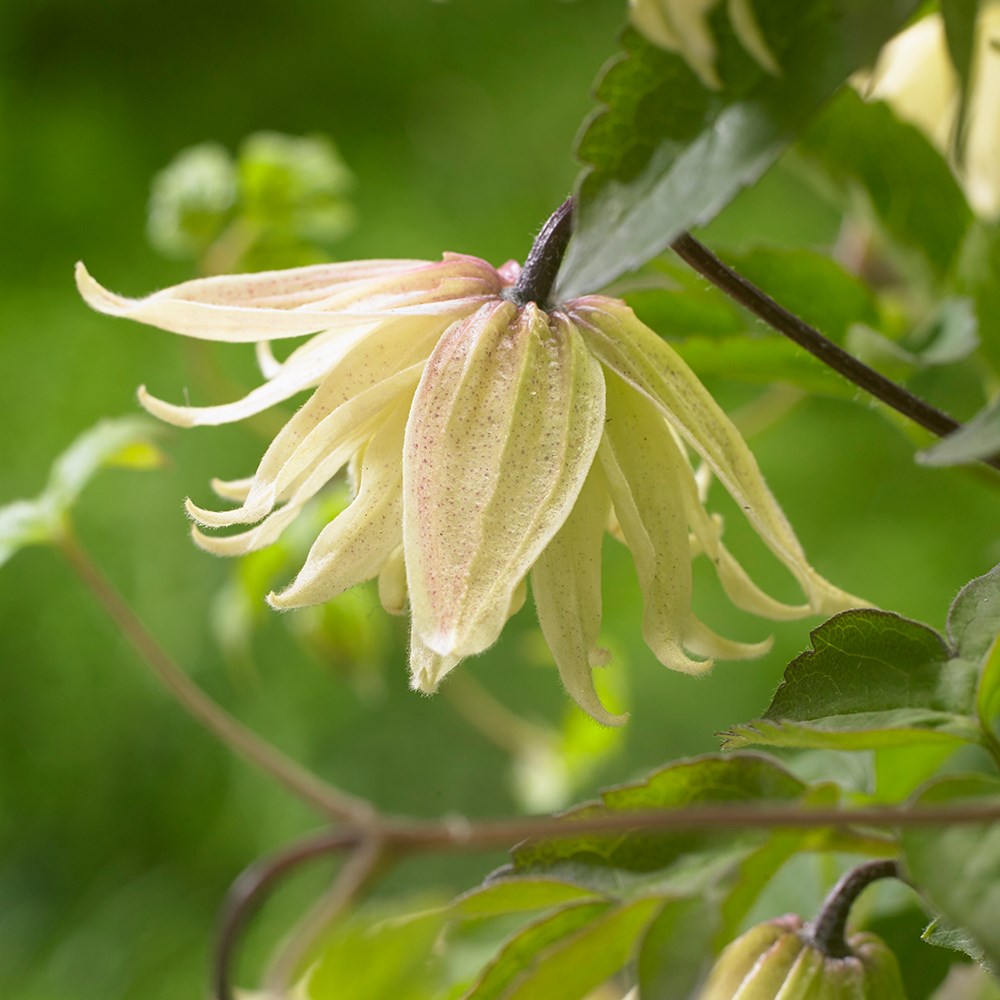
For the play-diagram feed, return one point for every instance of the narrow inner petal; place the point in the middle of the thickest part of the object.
(566, 584)
(355, 545)
(648, 363)
(643, 465)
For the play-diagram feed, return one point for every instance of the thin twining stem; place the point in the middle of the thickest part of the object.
(324, 797)
(361, 867)
(748, 295)
(393, 839)
(255, 883)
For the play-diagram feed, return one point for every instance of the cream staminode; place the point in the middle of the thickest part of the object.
(491, 442)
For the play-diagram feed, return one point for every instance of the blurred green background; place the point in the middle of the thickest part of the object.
(121, 822)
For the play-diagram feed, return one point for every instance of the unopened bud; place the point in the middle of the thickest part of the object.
(780, 959)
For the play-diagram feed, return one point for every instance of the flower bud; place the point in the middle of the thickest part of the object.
(780, 959)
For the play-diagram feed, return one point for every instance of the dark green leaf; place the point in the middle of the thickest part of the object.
(957, 867)
(666, 153)
(673, 863)
(979, 438)
(567, 954)
(872, 679)
(911, 189)
(676, 952)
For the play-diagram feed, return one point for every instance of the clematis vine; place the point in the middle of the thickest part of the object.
(492, 438)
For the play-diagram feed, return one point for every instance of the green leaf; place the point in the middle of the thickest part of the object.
(872, 679)
(568, 954)
(978, 266)
(675, 862)
(758, 867)
(900, 770)
(979, 438)
(941, 934)
(666, 153)
(676, 951)
(988, 695)
(126, 442)
(367, 960)
(517, 951)
(959, 18)
(517, 895)
(949, 335)
(763, 360)
(910, 187)
(974, 617)
(23, 523)
(815, 287)
(676, 302)
(811, 285)
(957, 867)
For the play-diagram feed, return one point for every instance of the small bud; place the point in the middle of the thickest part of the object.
(780, 959)
(191, 201)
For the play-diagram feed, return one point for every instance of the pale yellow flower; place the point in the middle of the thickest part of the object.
(488, 443)
(915, 76)
(682, 26)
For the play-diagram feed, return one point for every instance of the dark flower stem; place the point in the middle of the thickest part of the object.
(828, 932)
(540, 269)
(542, 266)
(748, 295)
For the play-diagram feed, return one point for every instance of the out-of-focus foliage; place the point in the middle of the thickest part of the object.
(282, 202)
(125, 443)
(943, 75)
(122, 822)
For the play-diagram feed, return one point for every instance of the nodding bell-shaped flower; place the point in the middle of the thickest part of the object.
(491, 440)
(682, 26)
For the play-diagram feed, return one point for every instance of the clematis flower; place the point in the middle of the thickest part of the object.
(682, 26)
(490, 440)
